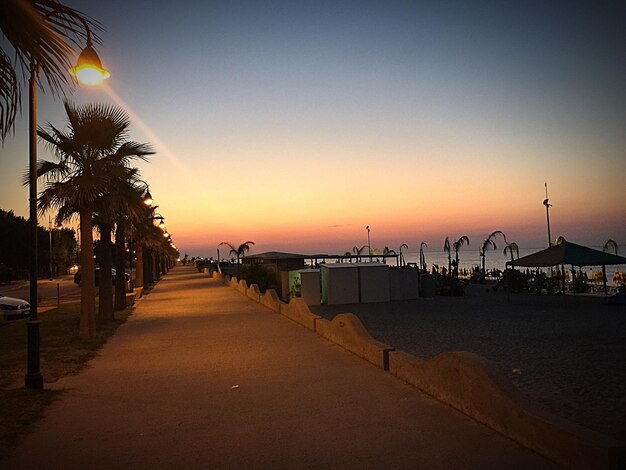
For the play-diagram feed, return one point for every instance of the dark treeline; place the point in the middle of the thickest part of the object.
(15, 248)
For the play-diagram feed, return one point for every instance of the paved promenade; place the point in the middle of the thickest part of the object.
(203, 377)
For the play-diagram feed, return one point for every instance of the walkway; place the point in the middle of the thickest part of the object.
(203, 377)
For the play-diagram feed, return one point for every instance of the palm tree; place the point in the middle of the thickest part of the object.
(123, 201)
(609, 244)
(41, 32)
(448, 249)
(147, 237)
(489, 243)
(464, 240)
(358, 251)
(387, 251)
(422, 257)
(239, 251)
(404, 245)
(511, 248)
(92, 157)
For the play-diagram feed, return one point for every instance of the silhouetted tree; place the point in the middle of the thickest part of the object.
(358, 251)
(238, 251)
(489, 242)
(511, 248)
(41, 32)
(448, 249)
(92, 154)
(464, 240)
(423, 266)
(609, 244)
(404, 245)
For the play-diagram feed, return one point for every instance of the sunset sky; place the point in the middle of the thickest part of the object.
(296, 124)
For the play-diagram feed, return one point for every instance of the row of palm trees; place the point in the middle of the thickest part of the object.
(511, 249)
(448, 246)
(91, 177)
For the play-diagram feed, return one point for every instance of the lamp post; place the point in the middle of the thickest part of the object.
(369, 244)
(546, 203)
(89, 71)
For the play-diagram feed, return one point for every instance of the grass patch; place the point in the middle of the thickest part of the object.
(62, 353)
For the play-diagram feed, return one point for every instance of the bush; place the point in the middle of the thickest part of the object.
(202, 263)
(7, 274)
(259, 275)
(449, 286)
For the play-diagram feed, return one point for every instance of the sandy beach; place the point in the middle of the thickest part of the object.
(566, 354)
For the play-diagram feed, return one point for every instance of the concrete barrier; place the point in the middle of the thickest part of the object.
(347, 331)
(270, 300)
(254, 293)
(298, 311)
(138, 292)
(468, 382)
(242, 286)
(478, 388)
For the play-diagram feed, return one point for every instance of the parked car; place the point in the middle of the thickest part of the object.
(13, 309)
(77, 276)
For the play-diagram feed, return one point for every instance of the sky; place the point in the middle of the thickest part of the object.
(297, 124)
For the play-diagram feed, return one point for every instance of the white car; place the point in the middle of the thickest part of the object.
(13, 309)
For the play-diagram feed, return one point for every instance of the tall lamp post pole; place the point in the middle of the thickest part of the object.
(89, 71)
(369, 244)
(547, 204)
(33, 379)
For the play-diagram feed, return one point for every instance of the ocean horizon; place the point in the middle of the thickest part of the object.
(495, 259)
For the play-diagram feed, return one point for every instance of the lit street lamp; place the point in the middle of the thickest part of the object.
(86, 71)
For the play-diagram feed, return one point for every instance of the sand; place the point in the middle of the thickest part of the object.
(567, 354)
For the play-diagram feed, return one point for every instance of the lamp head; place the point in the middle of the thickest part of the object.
(88, 69)
(147, 199)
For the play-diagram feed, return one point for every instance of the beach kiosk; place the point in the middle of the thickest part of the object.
(305, 283)
(353, 283)
(373, 282)
(340, 283)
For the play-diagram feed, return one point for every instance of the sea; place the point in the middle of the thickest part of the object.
(495, 259)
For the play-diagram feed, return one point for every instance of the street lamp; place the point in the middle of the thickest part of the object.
(546, 203)
(147, 197)
(161, 220)
(369, 244)
(88, 69)
(88, 65)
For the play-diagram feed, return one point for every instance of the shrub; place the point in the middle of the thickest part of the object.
(259, 275)
(446, 285)
(6, 274)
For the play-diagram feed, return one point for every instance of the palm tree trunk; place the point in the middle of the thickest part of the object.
(88, 285)
(155, 267)
(120, 265)
(139, 267)
(105, 296)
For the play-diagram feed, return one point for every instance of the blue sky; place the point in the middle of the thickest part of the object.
(422, 119)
